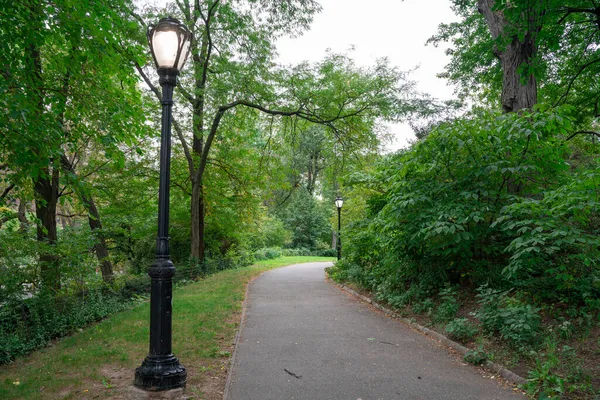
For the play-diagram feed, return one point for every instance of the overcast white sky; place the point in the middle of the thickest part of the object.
(394, 29)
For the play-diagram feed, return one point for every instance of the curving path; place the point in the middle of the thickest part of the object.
(305, 339)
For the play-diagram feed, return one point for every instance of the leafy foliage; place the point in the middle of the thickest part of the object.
(565, 34)
(515, 321)
(461, 329)
(32, 323)
(489, 201)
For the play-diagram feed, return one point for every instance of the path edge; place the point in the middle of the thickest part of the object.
(492, 366)
(243, 321)
(238, 334)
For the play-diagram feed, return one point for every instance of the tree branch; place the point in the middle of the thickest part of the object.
(139, 19)
(584, 133)
(186, 148)
(574, 78)
(7, 191)
(178, 131)
(573, 10)
(157, 92)
(187, 95)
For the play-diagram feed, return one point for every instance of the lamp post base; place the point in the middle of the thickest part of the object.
(159, 373)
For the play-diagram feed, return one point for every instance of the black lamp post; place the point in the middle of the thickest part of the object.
(339, 202)
(161, 370)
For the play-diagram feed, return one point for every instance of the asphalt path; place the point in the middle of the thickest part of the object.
(303, 338)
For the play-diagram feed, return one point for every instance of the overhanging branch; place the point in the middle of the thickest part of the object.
(592, 133)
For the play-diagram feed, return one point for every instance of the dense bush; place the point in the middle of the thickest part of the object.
(448, 306)
(300, 251)
(267, 253)
(29, 324)
(486, 199)
(326, 253)
(516, 321)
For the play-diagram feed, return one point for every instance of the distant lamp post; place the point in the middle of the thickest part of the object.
(339, 202)
(170, 45)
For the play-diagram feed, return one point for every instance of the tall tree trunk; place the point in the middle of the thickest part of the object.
(46, 182)
(198, 223)
(518, 91)
(46, 198)
(94, 221)
(100, 247)
(22, 215)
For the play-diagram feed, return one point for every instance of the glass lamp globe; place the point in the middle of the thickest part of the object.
(170, 43)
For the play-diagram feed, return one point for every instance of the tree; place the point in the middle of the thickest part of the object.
(232, 67)
(307, 219)
(524, 51)
(64, 83)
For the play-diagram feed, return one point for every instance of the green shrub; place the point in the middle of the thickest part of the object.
(487, 198)
(516, 321)
(476, 357)
(135, 285)
(448, 306)
(268, 253)
(461, 329)
(32, 323)
(300, 251)
(326, 253)
(424, 307)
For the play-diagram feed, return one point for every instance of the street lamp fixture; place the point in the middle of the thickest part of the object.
(339, 202)
(170, 45)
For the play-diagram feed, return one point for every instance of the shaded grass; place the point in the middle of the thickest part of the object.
(99, 361)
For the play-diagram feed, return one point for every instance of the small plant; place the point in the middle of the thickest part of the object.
(424, 307)
(566, 329)
(476, 357)
(106, 383)
(461, 329)
(516, 321)
(214, 352)
(520, 322)
(448, 307)
(543, 383)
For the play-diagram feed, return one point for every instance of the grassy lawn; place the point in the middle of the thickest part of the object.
(99, 361)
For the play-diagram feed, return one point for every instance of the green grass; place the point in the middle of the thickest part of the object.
(99, 361)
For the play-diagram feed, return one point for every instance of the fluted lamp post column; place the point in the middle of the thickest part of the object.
(339, 202)
(170, 45)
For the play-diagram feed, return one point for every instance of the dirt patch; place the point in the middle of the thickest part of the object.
(205, 382)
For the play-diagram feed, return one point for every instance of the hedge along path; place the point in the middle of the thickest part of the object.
(99, 361)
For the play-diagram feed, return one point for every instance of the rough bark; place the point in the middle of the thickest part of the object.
(198, 221)
(100, 247)
(46, 183)
(22, 215)
(518, 91)
(46, 198)
(94, 221)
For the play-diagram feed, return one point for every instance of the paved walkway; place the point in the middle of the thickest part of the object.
(305, 339)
